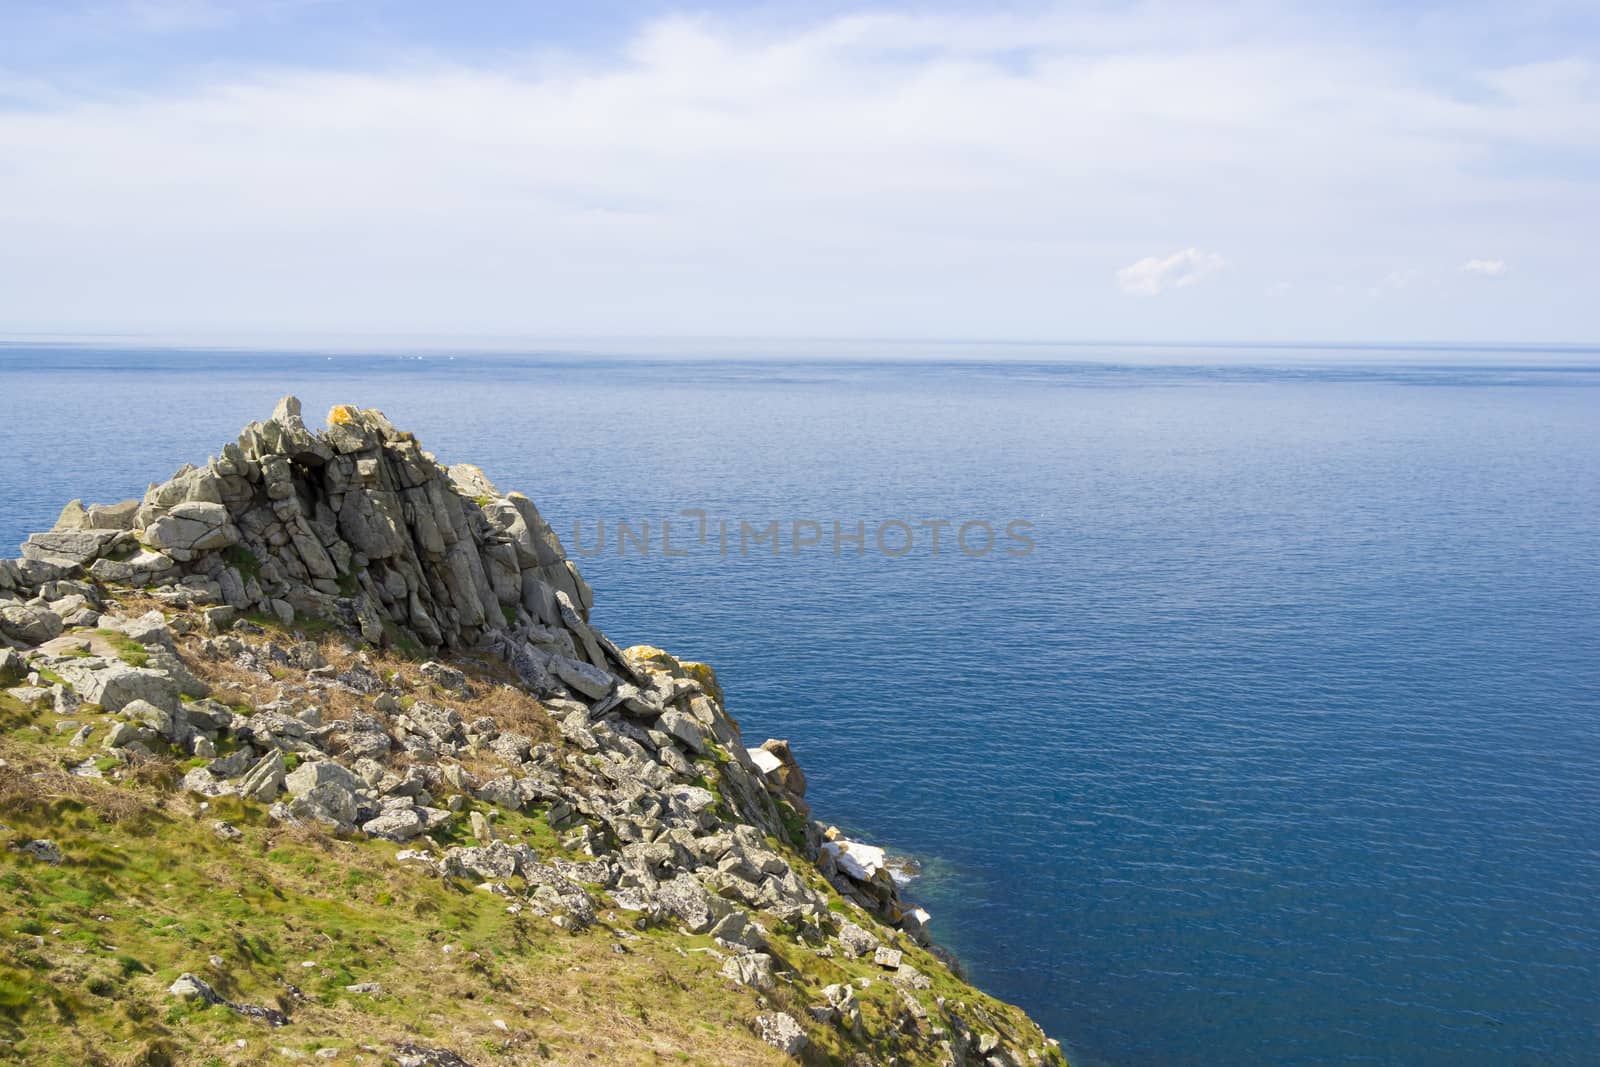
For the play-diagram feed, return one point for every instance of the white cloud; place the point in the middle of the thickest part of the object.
(1484, 268)
(952, 175)
(1153, 274)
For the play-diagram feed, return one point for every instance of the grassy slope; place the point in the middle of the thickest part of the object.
(149, 891)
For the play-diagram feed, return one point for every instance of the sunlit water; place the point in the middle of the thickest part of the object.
(1280, 746)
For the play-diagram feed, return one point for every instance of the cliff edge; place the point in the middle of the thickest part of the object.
(315, 753)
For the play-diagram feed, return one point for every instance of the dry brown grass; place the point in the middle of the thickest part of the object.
(495, 691)
(33, 783)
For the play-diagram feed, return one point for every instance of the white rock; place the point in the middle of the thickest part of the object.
(859, 861)
(764, 760)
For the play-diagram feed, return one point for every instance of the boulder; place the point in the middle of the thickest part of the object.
(859, 861)
(782, 1032)
(71, 548)
(193, 987)
(495, 861)
(583, 678)
(308, 777)
(328, 803)
(856, 941)
(753, 969)
(192, 526)
(395, 824)
(171, 725)
(144, 567)
(735, 928)
(687, 900)
(115, 685)
(445, 677)
(202, 782)
(119, 516)
(189, 484)
(29, 625)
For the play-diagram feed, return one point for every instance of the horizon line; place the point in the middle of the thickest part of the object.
(359, 343)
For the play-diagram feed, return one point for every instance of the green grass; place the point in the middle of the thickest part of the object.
(128, 650)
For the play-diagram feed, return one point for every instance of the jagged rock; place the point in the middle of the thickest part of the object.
(231, 765)
(29, 625)
(97, 516)
(859, 861)
(691, 797)
(264, 779)
(887, 958)
(782, 1032)
(142, 568)
(684, 729)
(324, 791)
(735, 928)
(778, 764)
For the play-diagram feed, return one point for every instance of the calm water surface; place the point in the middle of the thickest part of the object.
(1282, 746)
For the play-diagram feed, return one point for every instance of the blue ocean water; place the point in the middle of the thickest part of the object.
(1281, 746)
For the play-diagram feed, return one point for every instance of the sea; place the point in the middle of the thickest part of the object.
(1245, 710)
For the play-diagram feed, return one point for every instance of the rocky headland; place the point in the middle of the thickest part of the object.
(314, 753)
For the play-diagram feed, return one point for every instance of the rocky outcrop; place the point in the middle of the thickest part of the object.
(356, 525)
(663, 812)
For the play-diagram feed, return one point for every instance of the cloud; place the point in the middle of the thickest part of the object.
(1153, 274)
(892, 174)
(1484, 268)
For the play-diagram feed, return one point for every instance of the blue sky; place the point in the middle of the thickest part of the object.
(1171, 172)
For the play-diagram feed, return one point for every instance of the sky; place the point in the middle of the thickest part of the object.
(1170, 172)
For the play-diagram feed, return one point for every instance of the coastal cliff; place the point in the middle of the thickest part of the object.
(315, 753)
